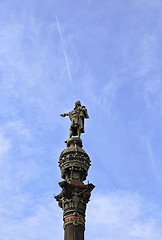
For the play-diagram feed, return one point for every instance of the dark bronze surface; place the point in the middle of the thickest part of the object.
(74, 164)
(74, 232)
(77, 116)
(74, 198)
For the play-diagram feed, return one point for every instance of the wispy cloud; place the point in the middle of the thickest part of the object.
(20, 136)
(124, 215)
(44, 222)
(32, 79)
(110, 215)
(108, 93)
(5, 145)
(152, 88)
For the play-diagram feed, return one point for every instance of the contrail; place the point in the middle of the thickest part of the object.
(62, 43)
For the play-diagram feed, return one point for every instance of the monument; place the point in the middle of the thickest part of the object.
(74, 163)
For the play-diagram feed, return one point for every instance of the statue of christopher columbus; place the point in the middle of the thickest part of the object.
(77, 116)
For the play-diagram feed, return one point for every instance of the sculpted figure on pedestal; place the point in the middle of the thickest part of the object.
(77, 116)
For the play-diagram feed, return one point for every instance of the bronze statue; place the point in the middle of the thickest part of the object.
(77, 116)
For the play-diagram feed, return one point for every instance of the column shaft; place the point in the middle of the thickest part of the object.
(74, 232)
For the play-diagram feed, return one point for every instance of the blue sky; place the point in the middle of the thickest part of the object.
(107, 54)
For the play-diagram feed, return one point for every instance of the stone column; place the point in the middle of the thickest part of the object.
(74, 163)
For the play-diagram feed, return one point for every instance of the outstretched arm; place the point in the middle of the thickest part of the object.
(64, 114)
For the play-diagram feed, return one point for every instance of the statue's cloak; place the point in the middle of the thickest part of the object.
(77, 119)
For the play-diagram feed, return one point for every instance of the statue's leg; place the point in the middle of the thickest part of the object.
(71, 133)
(78, 133)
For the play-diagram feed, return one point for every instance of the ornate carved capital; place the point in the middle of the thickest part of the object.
(74, 198)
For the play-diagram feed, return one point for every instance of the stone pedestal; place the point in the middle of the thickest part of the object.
(74, 163)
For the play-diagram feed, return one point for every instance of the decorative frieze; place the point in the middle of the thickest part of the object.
(74, 219)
